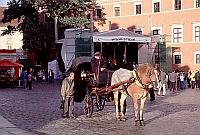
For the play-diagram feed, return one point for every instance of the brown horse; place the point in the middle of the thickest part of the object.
(142, 77)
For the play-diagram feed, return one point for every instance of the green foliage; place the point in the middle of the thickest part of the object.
(38, 36)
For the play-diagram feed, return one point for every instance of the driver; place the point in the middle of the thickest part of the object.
(97, 64)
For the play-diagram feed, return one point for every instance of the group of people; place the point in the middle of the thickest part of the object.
(28, 76)
(41, 76)
(175, 81)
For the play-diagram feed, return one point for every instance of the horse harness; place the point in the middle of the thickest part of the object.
(135, 78)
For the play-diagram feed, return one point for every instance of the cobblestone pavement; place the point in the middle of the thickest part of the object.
(37, 110)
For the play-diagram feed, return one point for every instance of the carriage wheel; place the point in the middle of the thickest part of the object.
(88, 105)
(100, 103)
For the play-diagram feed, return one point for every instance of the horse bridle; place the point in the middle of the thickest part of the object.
(148, 75)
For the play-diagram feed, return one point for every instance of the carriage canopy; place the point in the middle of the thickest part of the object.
(120, 35)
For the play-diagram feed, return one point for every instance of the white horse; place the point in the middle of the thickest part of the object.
(143, 78)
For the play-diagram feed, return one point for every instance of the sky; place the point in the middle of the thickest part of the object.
(3, 3)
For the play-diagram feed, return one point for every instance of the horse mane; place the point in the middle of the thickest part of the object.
(143, 67)
(142, 70)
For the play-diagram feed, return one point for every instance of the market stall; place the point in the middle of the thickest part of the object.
(9, 71)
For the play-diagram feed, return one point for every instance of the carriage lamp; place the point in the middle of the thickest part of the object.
(83, 74)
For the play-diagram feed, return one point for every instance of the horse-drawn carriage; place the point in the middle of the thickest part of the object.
(89, 89)
(95, 91)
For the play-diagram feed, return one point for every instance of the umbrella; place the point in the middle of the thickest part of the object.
(7, 63)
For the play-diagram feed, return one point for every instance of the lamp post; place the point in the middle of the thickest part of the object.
(92, 30)
(56, 28)
(160, 49)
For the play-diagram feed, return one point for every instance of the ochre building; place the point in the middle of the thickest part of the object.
(176, 23)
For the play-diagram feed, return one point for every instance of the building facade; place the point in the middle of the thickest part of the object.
(173, 23)
(13, 41)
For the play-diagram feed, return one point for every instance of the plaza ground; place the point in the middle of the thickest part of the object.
(36, 112)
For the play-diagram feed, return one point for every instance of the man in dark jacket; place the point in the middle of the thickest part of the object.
(97, 64)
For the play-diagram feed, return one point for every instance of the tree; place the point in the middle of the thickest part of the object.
(38, 35)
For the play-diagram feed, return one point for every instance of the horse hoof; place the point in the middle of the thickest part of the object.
(122, 119)
(137, 123)
(118, 119)
(141, 123)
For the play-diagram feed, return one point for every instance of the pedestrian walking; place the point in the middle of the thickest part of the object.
(67, 93)
(163, 81)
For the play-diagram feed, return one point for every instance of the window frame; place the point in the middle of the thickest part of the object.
(197, 32)
(194, 32)
(174, 58)
(195, 58)
(96, 13)
(156, 7)
(197, 3)
(139, 30)
(114, 13)
(179, 38)
(175, 6)
(135, 8)
(159, 29)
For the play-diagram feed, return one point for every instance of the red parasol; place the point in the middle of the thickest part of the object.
(7, 63)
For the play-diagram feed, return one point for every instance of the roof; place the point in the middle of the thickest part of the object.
(7, 63)
(119, 35)
(80, 60)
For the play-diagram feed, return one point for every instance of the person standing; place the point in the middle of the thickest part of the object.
(192, 78)
(182, 79)
(30, 77)
(40, 76)
(151, 90)
(51, 76)
(173, 81)
(25, 78)
(163, 82)
(97, 64)
(197, 79)
(67, 93)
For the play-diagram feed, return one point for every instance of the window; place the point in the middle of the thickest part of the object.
(155, 32)
(138, 31)
(177, 5)
(138, 9)
(177, 59)
(177, 35)
(197, 58)
(116, 11)
(156, 7)
(98, 13)
(157, 59)
(197, 3)
(197, 33)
